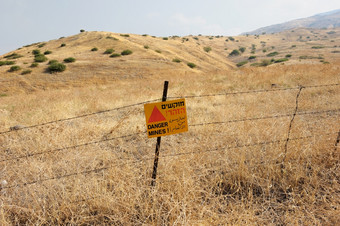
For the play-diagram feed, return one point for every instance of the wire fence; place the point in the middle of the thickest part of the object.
(223, 148)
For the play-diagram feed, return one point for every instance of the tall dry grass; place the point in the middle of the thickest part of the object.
(228, 173)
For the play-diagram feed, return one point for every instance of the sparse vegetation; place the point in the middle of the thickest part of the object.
(39, 58)
(115, 55)
(34, 65)
(125, 35)
(63, 45)
(109, 51)
(165, 38)
(27, 71)
(126, 52)
(47, 52)
(36, 52)
(14, 68)
(94, 49)
(56, 67)
(235, 52)
(231, 38)
(281, 60)
(242, 49)
(272, 54)
(69, 60)
(112, 38)
(240, 64)
(158, 51)
(191, 65)
(41, 45)
(207, 49)
(52, 62)
(82, 30)
(146, 47)
(176, 60)
(13, 56)
(7, 62)
(318, 47)
(251, 57)
(288, 55)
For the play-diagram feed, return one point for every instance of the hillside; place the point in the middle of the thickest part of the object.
(262, 146)
(320, 21)
(154, 56)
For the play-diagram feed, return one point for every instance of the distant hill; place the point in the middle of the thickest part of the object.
(323, 20)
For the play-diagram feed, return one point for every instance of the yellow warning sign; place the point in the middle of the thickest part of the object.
(166, 118)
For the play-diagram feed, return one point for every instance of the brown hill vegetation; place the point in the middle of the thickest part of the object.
(261, 147)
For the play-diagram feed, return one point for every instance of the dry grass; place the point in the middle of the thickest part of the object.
(207, 176)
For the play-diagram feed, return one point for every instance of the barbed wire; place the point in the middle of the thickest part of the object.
(135, 134)
(132, 161)
(145, 102)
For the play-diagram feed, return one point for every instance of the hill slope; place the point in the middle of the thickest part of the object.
(324, 20)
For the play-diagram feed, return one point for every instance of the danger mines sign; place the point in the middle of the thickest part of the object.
(166, 118)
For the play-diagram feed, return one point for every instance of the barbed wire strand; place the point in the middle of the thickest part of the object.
(145, 102)
(135, 134)
(131, 161)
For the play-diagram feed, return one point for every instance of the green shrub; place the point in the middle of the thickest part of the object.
(293, 46)
(36, 52)
(125, 35)
(146, 47)
(115, 55)
(56, 67)
(288, 55)
(69, 60)
(264, 50)
(41, 45)
(144, 35)
(207, 49)
(47, 52)
(235, 52)
(40, 58)
(52, 62)
(109, 51)
(14, 68)
(63, 45)
(94, 49)
(176, 60)
(25, 72)
(7, 62)
(242, 49)
(113, 38)
(318, 47)
(272, 54)
(281, 60)
(13, 56)
(165, 38)
(265, 63)
(251, 57)
(231, 38)
(82, 30)
(191, 65)
(241, 63)
(34, 65)
(158, 51)
(126, 52)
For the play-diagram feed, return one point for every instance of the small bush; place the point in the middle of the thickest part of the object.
(281, 60)
(52, 62)
(265, 63)
(125, 35)
(288, 55)
(63, 45)
(40, 58)
(115, 55)
(113, 38)
(36, 52)
(94, 49)
(109, 51)
(191, 65)
(318, 47)
(251, 57)
(69, 60)
(25, 72)
(272, 54)
(34, 65)
(241, 63)
(158, 51)
(14, 68)
(56, 67)
(82, 30)
(47, 52)
(6, 63)
(165, 38)
(176, 60)
(146, 47)
(207, 49)
(293, 46)
(126, 52)
(13, 56)
(231, 38)
(235, 52)
(242, 49)
(41, 45)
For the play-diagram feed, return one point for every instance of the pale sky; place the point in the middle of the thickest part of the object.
(25, 22)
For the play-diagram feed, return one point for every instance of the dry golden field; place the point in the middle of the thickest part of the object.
(82, 156)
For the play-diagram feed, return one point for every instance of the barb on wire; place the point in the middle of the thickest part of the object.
(80, 116)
